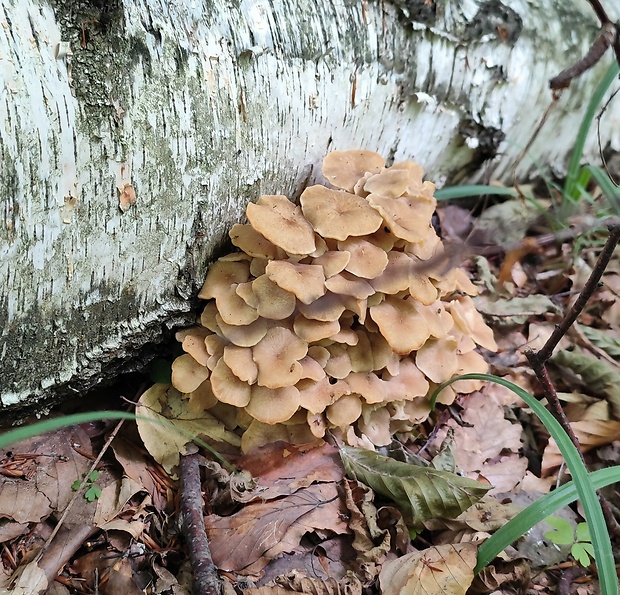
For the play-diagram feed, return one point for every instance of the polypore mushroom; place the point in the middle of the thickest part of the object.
(277, 356)
(343, 169)
(338, 215)
(282, 223)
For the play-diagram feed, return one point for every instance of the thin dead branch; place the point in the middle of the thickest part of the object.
(205, 578)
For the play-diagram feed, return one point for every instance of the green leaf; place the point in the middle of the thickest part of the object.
(422, 493)
(75, 486)
(94, 476)
(563, 533)
(583, 553)
(473, 190)
(584, 486)
(583, 532)
(599, 376)
(609, 343)
(93, 493)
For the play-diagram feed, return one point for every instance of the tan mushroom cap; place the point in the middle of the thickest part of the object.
(316, 396)
(416, 187)
(437, 359)
(243, 335)
(273, 405)
(344, 411)
(282, 223)
(470, 363)
(274, 302)
(327, 308)
(439, 320)
(207, 318)
(408, 384)
(395, 276)
(222, 274)
(312, 369)
(427, 247)
(246, 238)
(408, 218)
(317, 424)
(338, 215)
(368, 385)
(187, 373)
(319, 353)
(193, 342)
(347, 284)
(339, 363)
(400, 324)
(421, 289)
(471, 323)
(246, 293)
(343, 169)
(305, 281)
(367, 260)
(201, 399)
(314, 330)
(240, 362)
(227, 387)
(233, 309)
(374, 423)
(277, 356)
(390, 183)
(346, 336)
(333, 262)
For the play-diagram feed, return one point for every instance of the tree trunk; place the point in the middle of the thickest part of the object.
(134, 133)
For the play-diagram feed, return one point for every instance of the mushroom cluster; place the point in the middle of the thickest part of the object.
(332, 314)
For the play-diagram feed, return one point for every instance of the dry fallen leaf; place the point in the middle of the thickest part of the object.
(446, 569)
(161, 410)
(260, 531)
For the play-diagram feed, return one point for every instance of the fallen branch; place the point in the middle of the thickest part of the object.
(205, 578)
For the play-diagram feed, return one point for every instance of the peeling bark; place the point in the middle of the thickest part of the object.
(195, 108)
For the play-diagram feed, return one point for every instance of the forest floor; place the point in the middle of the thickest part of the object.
(320, 531)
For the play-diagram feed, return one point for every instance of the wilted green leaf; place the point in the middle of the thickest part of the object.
(514, 310)
(422, 493)
(598, 375)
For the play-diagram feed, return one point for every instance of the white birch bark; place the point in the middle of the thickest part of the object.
(200, 106)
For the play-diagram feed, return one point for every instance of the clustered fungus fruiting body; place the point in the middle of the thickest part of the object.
(328, 318)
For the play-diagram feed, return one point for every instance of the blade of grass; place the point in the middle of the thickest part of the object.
(49, 425)
(587, 494)
(572, 173)
(610, 191)
(537, 512)
(473, 190)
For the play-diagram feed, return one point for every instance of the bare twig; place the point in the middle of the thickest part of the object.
(589, 288)
(605, 38)
(205, 578)
(538, 360)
